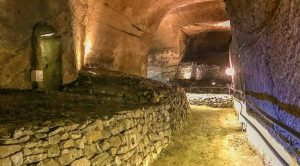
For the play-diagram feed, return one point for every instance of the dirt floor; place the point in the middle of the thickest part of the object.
(213, 138)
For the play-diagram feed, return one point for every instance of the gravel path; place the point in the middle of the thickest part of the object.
(213, 138)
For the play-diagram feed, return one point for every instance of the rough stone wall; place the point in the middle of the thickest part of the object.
(17, 21)
(212, 100)
(107, 37)
(268, 52)
(117, 35)
(133, 137)
(167, 45)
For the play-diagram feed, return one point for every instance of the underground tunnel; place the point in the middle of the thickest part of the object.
(147, 82)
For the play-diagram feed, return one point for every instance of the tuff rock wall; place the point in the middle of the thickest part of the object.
(266, 54)
(17, 22)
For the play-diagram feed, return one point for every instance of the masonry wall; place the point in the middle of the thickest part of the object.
(131, 137)
(212, 100)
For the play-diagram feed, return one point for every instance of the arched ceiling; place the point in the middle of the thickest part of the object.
(189, 14)
(207, 43)
(168, 44)
(117, 35)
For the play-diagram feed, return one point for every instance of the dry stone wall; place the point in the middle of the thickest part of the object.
(213, 100)
(133, 137)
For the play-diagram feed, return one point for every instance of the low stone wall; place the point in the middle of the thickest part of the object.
(132, 137)
(212, 100)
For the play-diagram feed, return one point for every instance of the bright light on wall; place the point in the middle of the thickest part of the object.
(187, 75)
(88, 47)
(48, 35)
(87, 50)
(229, 71)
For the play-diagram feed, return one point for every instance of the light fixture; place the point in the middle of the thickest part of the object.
(213, 83)
(48, 35)
(229, 71)
(88, 47)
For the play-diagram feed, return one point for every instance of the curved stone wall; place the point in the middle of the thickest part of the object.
(82, 129)
(212, 100)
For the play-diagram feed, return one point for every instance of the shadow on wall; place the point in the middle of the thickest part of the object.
(292, 109)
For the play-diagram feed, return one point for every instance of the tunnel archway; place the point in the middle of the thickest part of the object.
(47, 62)
(167, 50)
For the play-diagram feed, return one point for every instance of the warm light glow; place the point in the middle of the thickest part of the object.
(213, 83)
(88, 47)
(224, 23)
(187, 75)
(48, 35)
(230, 71)
(87, 50)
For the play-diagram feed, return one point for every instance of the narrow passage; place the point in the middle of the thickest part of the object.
(213, 138)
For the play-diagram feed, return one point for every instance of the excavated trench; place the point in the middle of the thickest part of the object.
(213, 137)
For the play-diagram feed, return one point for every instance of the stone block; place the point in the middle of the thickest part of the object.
(69, 144)
(136, 160)
(64, 136)
(146, 160)
(56, 131)
(54, 139)
(115, 141)
(71, 127)
(18, 133)
(123, 150)
(105, 134)
(36, 144)
(146, 141)
(93, 136)
(81, 162)
(40, 135)
(70, 156)
(54, 151)
(80, 143)
(17, 159)
(118, 161)
(154, 137)
(10, 142)
(113, 151)
(105, 145)
(33, 151)
(75, 134)
(102, 159)
(127, 123)
(35, 158)
(9, 150)
(5, 162)
(117, 128)
(89, 151)
(127, 155)
(49, 162)
(99, 124)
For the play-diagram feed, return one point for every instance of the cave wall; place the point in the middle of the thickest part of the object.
(116, 35)
(267, 47)
(108, 36)
(17, 21)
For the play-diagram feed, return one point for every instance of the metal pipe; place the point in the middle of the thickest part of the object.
(280, 124)
(263, 137)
